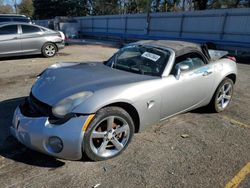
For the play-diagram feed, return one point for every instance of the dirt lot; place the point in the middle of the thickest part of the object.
(216, 150)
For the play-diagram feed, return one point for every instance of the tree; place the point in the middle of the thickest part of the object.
(75, 7)
(165, 5)
(217, 4)
(5, 9)
(105, 7)
(155, 6)
(26, 7)
(136, 6)
(47, 9)
(200, 4)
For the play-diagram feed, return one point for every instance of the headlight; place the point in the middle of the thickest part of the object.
(66, 105)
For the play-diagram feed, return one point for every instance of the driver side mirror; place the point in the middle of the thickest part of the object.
(180, 68)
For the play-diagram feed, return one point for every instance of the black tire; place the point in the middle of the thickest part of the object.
(49, 49)
(92, 147)
(214, 105)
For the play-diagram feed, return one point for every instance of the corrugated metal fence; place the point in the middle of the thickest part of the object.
(224, 26)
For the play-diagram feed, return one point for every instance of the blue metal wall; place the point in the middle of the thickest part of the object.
(223, 26)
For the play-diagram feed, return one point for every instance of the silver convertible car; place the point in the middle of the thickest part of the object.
(18, 38)
(94, 109)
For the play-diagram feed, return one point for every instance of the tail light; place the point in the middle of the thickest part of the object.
(231, 58)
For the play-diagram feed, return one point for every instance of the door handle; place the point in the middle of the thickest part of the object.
(206, 73)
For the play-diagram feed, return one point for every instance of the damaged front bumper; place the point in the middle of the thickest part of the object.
(62, 141)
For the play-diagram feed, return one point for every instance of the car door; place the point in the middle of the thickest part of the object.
(31, 39)
(10, 43)
(190, 89)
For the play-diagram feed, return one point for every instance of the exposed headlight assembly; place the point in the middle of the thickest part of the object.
(66, 105)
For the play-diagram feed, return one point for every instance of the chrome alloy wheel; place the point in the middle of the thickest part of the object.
(50, 50)
(224, 96)
(109, 136)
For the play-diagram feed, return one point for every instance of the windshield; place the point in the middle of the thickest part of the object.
(141, 60)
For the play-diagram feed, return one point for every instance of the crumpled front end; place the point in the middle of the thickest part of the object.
(38, 132)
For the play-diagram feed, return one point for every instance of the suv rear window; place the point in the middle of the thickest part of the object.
(8, 30)
(5, 19)
(21, 20)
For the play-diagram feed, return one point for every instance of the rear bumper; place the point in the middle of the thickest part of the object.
(35, 133)
(60, 45)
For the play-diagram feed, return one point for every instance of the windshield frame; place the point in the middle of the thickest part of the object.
(168, 55)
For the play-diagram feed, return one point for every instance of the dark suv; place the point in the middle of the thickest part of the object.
(14, 18)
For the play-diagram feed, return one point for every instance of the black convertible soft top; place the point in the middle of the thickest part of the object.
(179, 47)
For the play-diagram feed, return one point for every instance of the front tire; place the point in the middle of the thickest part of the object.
(109, 134)
(49, 50)
(222, 96)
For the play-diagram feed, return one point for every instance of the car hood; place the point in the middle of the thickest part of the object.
(65, 79)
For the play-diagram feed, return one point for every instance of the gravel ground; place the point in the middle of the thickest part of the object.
(215, 150)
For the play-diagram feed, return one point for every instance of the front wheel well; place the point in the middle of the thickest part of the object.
(131, 110)
(232, 77)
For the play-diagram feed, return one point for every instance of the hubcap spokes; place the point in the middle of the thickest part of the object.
(50, 50)
(224, 96)
(109, 136)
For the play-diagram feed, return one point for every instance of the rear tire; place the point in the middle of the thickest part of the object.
(49, 49)
(222, 96)
(109, 134)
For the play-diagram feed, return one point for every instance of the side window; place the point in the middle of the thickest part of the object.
(30, 29)
(193, 60)
(187, 61)
(8, 30)
(197, 60)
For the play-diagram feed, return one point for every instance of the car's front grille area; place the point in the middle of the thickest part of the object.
(32, 107)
